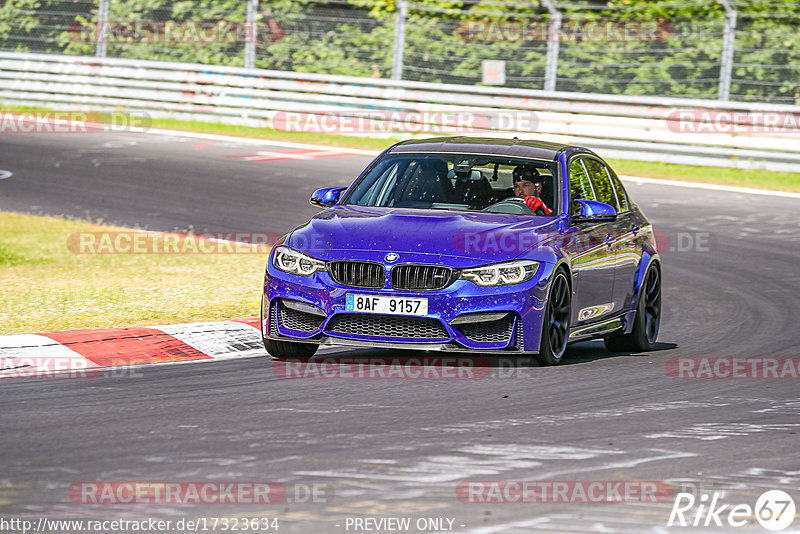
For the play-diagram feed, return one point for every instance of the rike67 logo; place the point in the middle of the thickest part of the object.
(774, 510)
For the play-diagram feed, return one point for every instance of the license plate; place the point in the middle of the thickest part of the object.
(387, 305)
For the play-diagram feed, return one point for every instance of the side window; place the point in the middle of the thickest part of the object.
(376, 192)
(622, 195)
(372, 190)
(579, 184)
(601, 182)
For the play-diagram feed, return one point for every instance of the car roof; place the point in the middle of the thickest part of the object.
(522, 148)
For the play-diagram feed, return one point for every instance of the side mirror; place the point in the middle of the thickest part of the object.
(593, 211)
(326, 197)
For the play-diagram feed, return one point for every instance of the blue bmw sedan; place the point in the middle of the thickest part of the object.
(497, 246)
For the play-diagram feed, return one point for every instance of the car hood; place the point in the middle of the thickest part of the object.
(473, 235)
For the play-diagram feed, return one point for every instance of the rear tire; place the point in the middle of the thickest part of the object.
(285, 350)
(555, 329)
(648, 318)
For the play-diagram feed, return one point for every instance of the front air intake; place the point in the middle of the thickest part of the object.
(387, 326)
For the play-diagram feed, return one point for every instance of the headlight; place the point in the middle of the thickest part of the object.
(294, 262)
(501, 274)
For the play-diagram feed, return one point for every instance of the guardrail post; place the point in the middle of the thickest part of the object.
(553, 41)
(252, 34)
(399, 39)
(101, 39)
(728, 47)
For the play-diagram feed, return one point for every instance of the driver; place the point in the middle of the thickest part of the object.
(528, 185)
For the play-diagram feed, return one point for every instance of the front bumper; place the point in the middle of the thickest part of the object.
(519, 329)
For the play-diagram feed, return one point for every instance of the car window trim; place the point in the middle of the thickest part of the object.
(613, 188)
(389, 184)
(609, 172)
(588, 177)
(569, 178)
(612, 176)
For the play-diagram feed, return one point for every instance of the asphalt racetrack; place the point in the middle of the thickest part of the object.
(400, 448)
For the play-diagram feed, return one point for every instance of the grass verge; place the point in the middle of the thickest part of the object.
(770, 180)
(45, 287)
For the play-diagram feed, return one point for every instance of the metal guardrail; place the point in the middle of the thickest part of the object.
(638, 128)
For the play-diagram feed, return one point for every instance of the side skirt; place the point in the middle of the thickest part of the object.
(608, 326)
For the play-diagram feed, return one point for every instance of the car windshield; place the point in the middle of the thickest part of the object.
(461, 182)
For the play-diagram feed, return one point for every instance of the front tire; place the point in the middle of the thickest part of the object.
(285, 350)
(555, 330)
(648, 318)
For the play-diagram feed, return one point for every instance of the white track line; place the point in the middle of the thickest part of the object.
(266, 142)
(713, 187)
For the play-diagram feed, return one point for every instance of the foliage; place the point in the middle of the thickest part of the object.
(355, 37)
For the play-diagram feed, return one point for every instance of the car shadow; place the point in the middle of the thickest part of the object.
(583, 352)
(589, 351)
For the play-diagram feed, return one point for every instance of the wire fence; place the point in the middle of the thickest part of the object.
(745, 50)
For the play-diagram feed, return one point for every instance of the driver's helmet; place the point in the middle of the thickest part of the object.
(526, 173)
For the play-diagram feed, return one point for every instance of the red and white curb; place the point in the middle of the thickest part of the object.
(64, 353)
